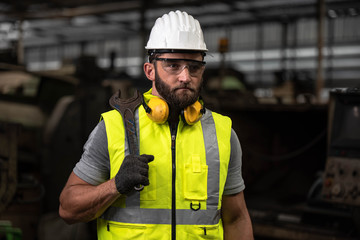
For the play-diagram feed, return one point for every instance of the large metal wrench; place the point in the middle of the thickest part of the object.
(127, 107)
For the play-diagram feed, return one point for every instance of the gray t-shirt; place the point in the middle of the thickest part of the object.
(94, 165)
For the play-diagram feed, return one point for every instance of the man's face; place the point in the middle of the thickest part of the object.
(179, 88)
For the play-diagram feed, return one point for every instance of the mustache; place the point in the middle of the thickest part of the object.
(184, 85)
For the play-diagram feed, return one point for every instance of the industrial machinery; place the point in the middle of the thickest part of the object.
(341, 183)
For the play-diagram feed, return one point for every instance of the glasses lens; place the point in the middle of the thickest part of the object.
(172, 66)
(176, 66)
(195, 67)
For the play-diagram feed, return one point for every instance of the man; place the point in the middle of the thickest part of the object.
(190, 158)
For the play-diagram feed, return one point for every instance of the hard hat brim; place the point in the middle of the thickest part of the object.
(152, 51)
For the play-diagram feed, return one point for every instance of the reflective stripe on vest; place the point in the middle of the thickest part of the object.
(163, 216)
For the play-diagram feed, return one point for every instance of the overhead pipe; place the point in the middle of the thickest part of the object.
(20, 44)
(284, 46)
(320, 45)
(330, 53)
(259, 51)
(143, 30)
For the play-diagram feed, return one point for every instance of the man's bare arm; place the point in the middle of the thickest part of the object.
(236, 219)
(83, 202)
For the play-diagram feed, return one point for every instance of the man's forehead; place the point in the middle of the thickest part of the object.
(195, 56)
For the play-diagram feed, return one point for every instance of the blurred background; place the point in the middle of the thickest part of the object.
(286, 71)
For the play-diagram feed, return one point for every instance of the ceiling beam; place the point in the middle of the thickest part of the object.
(76, 11)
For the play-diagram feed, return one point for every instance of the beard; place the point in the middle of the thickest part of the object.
(177, 101)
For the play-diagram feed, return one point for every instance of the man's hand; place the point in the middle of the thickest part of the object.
(134, 171)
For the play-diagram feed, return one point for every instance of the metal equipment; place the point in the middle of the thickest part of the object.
(127, 107)
(342, 173)
(8, 163)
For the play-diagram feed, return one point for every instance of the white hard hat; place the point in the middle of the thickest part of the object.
(176, 31)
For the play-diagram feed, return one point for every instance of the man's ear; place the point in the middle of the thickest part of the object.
(149, 71)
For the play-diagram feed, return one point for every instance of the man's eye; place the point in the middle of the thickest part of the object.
(194, 67)
(173, 65)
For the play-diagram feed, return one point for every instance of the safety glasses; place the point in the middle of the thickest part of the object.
(176, 66)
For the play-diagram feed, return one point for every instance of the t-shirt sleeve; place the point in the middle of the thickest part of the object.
(94, 164)
(234, 181)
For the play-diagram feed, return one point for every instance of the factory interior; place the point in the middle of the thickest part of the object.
(287, 72)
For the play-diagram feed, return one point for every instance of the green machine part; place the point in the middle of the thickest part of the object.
(9, 232)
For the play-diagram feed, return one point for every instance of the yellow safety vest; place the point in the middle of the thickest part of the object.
(187, 179)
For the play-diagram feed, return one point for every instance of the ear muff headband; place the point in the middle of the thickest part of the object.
(158, 111)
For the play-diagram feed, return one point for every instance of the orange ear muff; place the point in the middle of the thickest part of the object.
(158, 110)
(191, 114)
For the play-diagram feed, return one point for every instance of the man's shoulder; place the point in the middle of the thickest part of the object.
(111, 114)
(214, 114)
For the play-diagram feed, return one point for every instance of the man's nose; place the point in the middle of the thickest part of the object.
(184, 75)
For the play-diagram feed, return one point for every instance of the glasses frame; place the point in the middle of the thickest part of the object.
(203, 63)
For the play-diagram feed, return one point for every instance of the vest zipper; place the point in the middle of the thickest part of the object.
(173, 197)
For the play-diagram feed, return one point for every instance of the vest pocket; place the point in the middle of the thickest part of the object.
(204, 232)
(195, 180)
(126, 231)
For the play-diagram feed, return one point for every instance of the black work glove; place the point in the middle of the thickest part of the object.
(134, 171)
